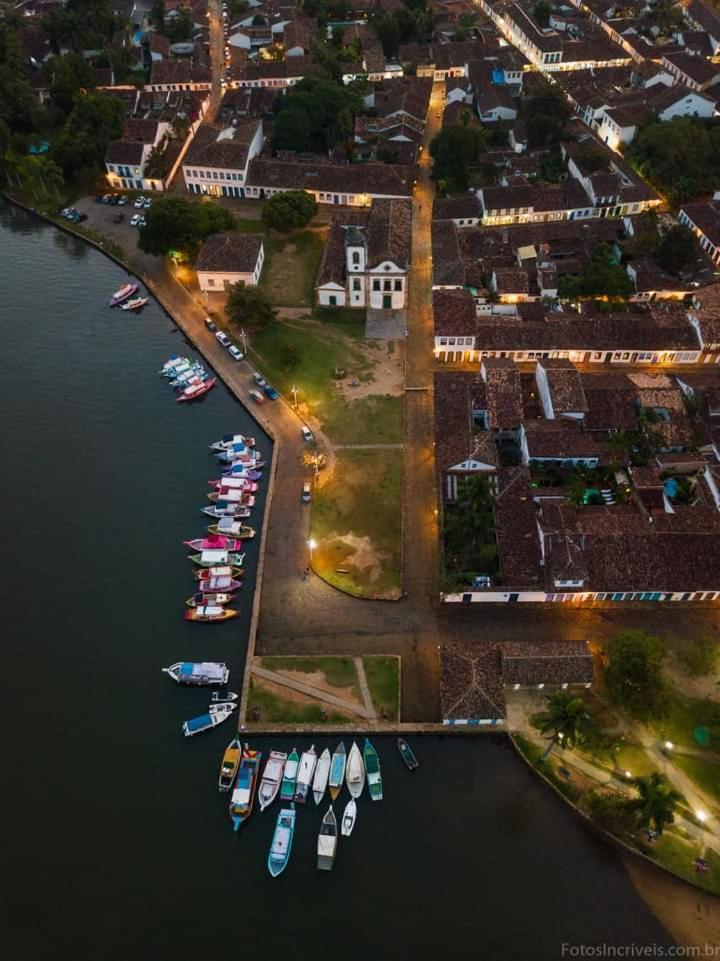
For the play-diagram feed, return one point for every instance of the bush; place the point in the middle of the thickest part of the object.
(292, 209)
(699, 657)
(634, 677)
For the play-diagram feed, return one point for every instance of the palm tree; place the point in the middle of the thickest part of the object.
(656, 802)
(566, 720)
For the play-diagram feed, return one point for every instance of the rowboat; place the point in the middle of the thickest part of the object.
(227, 525)
(135, 304)
(217, 713)
(207, 614)
(214, 558)
(197, 390)
(230, 764)
(217, 570)
(241, 802)
(127, 290)
(234, 483)
(287, 788)
(355, 772)
(372, 766)
(348, 819)
(216, 542)
(337, 770)
(306, 769)
(198, 673)
(327, 841)
(232, 497)
(217, 697)
(214, 600)
(212, 584)
(282, 841)
(223, 509)
(271, 778)
(407, 754)
(322, 772)
(228, 440)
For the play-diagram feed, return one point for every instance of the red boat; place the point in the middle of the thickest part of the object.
(215, 542)
(196, 390)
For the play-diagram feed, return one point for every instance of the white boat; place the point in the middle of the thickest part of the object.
(348, 819)
(306, 769)
(217, 713)
(355, 772)
(337, 770)
(271, 778)
(322, 773)
(198, 673)
(173, 363)
(134, 304)
(217, 698)
(327, 841)
(282, 841)
(229, 440)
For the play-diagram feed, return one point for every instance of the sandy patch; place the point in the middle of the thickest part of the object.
(317, 679)
(388, 373)
(287, 694)
(365, 558)
(706, 687)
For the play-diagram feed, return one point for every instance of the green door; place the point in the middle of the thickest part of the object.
(387, 301)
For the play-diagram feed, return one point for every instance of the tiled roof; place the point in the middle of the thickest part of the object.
(124, 152)
(216, 145)
(142, 131)
(504, 393)
(231, 253)
(457, 439)
(471, 682)
(516, 530)
(559, 439)
(454, 313)
(371, 178)
(550, 662)
(564, 385)
(706, 217)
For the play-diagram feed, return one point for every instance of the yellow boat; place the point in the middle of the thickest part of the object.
(230, 764)
(209, 614)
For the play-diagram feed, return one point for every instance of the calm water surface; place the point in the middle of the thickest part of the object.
(116, 844)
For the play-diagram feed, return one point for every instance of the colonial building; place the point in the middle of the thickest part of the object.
(354, 185)
(217, 160)
(227, 259)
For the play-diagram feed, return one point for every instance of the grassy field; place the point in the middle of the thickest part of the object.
(338, 671)
(356, 521)
(290, 268)
(346, 320)
(377, 419)
(685, 714)
(705, 773)
(632, 758)
(383, 677)
(278, 710)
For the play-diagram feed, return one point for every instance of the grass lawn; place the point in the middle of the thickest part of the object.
(290, 268)
(634, 759)
(244, 226)
(377, 419)
(338, 671)
(383, 677)
(356, 521)
(686, 713)
(277, 710)
(678, 855)
(705, 774)
(346, 320)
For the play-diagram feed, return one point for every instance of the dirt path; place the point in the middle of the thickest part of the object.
(314, 692)
(362, 678)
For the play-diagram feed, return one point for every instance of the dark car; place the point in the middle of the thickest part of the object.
(98, 199)
(80, 217)
(210, 324)
(270, 392)
(114, 200)
(118, 218)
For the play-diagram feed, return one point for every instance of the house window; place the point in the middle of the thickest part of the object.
(211, 282)
(376, 285)
(387, 285)
(398, 285)
(356, 257)
(356, 284)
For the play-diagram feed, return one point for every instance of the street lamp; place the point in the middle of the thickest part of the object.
(701, 816)
(243, 335)
(294, 393)
(312, 544)
(669, 745)
(628, 775)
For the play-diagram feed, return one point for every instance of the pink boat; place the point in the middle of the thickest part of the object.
(197, 390)
(211, 585)
(236, 483)
(215, 542)
(127, 290)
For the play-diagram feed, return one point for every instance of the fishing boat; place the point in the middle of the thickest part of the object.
(337, 770)
(355, 772)
(306, 769)
(174, 362)
(214, 542)
(230, 764)
(242, 470)
(213, 599)
(348, 819)
(233, 451)
(198, 673)
(227, 525)
(234, 483)
(208, 614)
(183, 369)
(372, 767)
(407, 754)
(218, 570)
(216, 714)
(322, 773)
(194, 374)
(218, 697)
(229, 440)
(327, 841)
(215, 558)
(223, 509)
(127, 290)
(241, 802)
(271, 778)
(287, 788)
(197, 390)
(232, 497)
(282, 841)
(213, 584)
(136, 304)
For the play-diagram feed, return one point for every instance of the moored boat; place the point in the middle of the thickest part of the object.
(211, 599)
(212, 584)
(205, 614)
(241, 802)
(215, 558)
(327, 841)
(217, 570)
(230, 764)
(242, 471)
(306, 769)
(216, 542)
(234, 483)
(232, 496)
(216, 714)
(322, 773)
(407, 754)
(223, 509)
(135, 304)
(127, 290)
(372, 768)
(218, 697)
(231, 439)
(355, 772)
(198, 673)
(348, 819)
(271, 778)
(227, 525)
(287, 788)
(172, 364)
(197, 390)
(281, 845)
(337, 770)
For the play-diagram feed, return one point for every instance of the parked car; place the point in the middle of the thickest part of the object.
(139, 201)
(306, 494)
(115, 200)
(270, 392)
(135, 220)
(235, 352)
(99, 199)
(210, 324)
(259, 379)
(257, 396)
(307, 434)
(118, 218)
(223, 338)
(122, 200)
(106, 198)
(147, 203)
(142, 222)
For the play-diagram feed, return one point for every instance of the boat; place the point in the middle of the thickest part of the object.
(136, 304)
(327, 841)
(198, 673)
(282, 841)
(212, 584)
(227, 525)
(322, 772)
(214, 600)
(355, 772)
(348, 819)
(184, 369)
(208, 614)
(241, 470)
(217, 697)
(215, 558)
(219, 570)
(306, 769)
(407, 754)
(223, 509)
(197, 390)
(230, 764)
(216, 714)
(287, 788)
(214, 542)
(337, 770)
(271, 778)
(174, 362)
(241, 802)
(127, 290)
(234, 483)
(231, 453)
(372, 767)
(232, 496)
(190, 375)
(229, 440)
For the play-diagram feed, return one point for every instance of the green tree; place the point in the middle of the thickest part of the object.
(465, 26)
(249, 306)
(634, 677)
(95, 120)
(656, 802)
(57, 25)
(565, 719)
(179, 28)
(676, 251)
(38, 175)
(157, 14)
(611, 811)
(541, 12)
(545, 116)
(321, 113)
(67, 77)
(173, 223)
(680, 157)
(454, 151)
(293, 208)
(603, 278)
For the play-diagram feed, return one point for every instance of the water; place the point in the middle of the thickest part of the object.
(116, 843)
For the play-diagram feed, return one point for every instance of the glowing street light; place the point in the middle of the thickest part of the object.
(312, 544)
(669, 745)
(701, 816)
(294, 393)
(628, 775)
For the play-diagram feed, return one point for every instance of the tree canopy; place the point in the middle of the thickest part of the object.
(565, 719)
(680, 157)
(315, 114)
(292, 208)
(545, 117)
(248, 306)
(603, 278)
(656, 802)
(676, 251)
(95, 120)
(179, 224)
(67, 77)
(454, 151)
(634, 677)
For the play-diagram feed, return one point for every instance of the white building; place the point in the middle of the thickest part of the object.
(227, 259)
(217, 162)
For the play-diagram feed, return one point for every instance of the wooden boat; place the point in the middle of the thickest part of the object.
(197, 390)
(212, 584)
(198, 673)
(282, 841)
(348, 819)
(407, 754)
(227, 525)
(229, 440)
(233, 496)
(214, 600)
(214, 558)
(327, 841)
(337, 770)
(217, 570)
(242, 470)
(287, 788)
(127, 290)
(306, 769)
(226, 510)
(136, 304)
(372, 768)
(355, 772)
(206, 614)
(230, 764)
(271, 778)
(322, 773)
(217, 697)
(235, 483)
(216, 714)
(241, 802)
(217, 542)
(172, 364)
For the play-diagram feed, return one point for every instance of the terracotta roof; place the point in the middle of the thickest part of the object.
(216, 145)
(457, 439)
(371, 178)
(471, 682)
(706, 217)
(699, 70)
(559, 439)
(516, 530)
(564, 385)
(231, 253)
(457, 207)
(142, 131)
(549, 662)
(504, 393)
(124, 152)
(454, 313)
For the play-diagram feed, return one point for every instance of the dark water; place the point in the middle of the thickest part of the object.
(115, 842)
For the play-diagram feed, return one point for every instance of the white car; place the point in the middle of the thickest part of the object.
(139, 202)
(147, 203)
(307, 434)
(223, 338)
(235, 352)
(259, 379)
(135, 220)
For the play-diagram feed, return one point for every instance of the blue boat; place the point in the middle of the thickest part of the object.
(243, 795)
(282, 841)
(216, 715)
